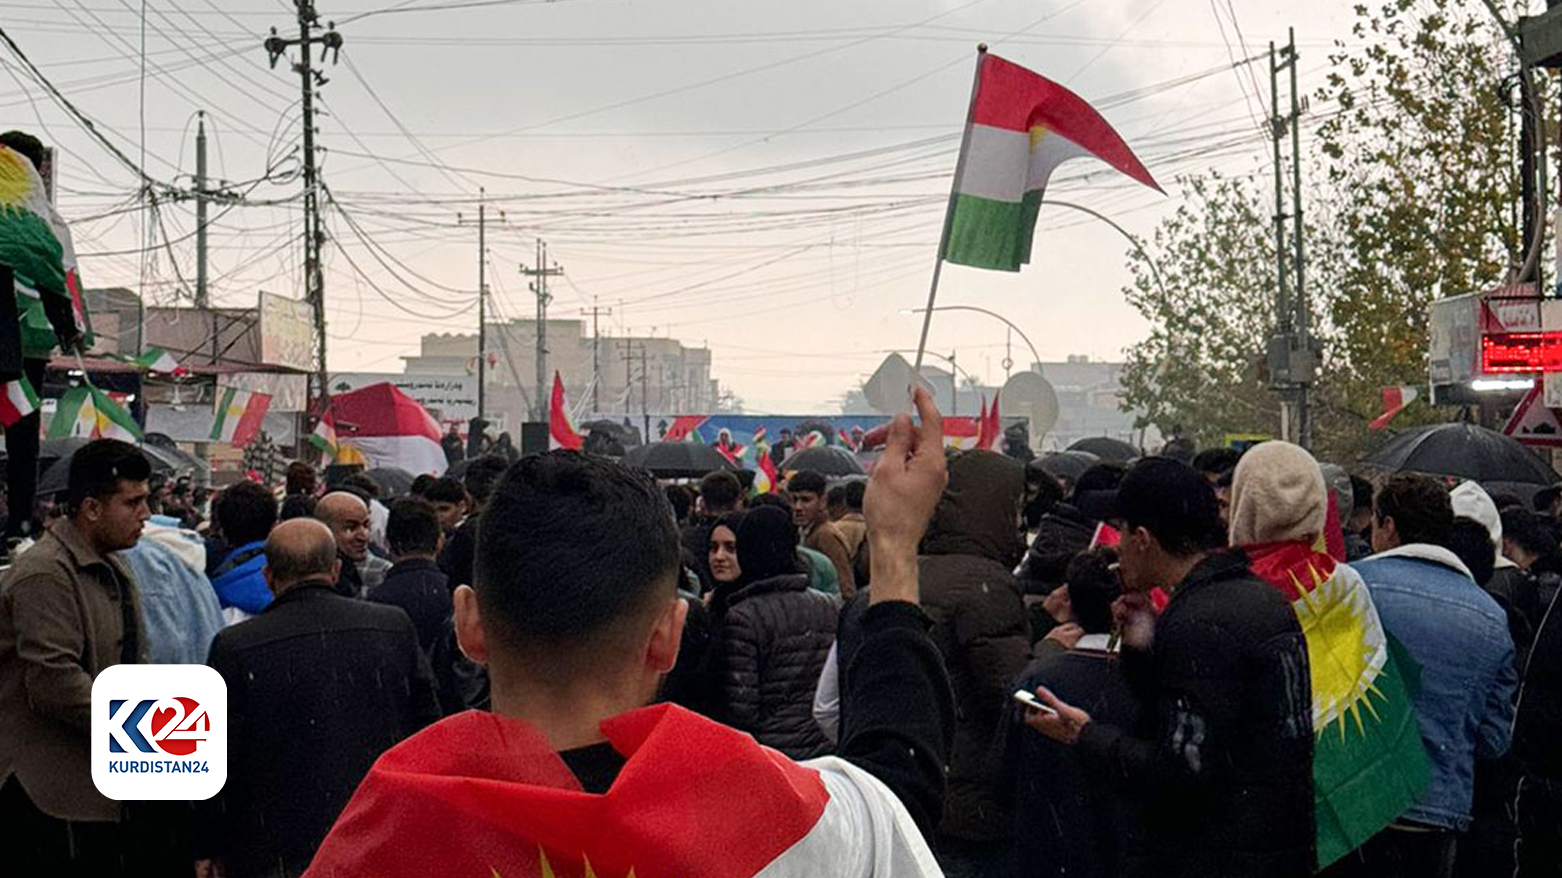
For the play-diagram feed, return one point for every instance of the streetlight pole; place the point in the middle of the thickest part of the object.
(1036, 357)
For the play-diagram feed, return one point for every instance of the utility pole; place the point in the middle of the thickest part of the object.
(482, 297)
(202, 297)
(596, 357)
(1292, 354)
(629, 357)
(314, 233)
(539, 285)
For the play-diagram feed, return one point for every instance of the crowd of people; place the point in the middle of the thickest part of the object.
(557, 666)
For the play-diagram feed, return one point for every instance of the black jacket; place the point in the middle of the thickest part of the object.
(1221, 760)
(1063, 533)
(318, 687)
(1066, 823)
(349, 583)
(772, 646)
(1517, 592)
(979, 625)
(419, 588)
(1537, 728)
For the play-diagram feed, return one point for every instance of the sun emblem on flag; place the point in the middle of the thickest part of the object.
(547, 867)
(1346, 650)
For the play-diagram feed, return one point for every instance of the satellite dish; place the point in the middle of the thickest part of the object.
(887, 391)
(1030, 395)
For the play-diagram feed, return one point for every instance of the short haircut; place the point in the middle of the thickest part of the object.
(856, 490)
(807, 480)
(301, 478)
(297, 506)
(681, 499)
(836, 496)
(290, 565)
(413, 528)
(482, 474)
(97, 468)
(721, 491)
(421, 484)
(362, 484)
(445, 490)
(1360, 493)
(1530, 531)
(1093, 585)
(27, 145)
(246, 512)
(1214, 461)
(1471, 541)
(1419, 505)
(571, 547)
(1175, 503)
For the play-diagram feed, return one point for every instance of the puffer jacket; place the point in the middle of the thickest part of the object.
(979, 624)
(773, 644)
(1063, 533)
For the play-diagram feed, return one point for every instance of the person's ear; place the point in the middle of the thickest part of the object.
(661, 652)
(271, 582)
(336, 570)
(470, 635)
(91, 508)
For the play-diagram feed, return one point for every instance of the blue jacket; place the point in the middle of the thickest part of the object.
(177, 604)
(240, 580)
(1458, 635)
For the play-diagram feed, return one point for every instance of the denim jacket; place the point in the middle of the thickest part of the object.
(1458, 635)
(177, 601)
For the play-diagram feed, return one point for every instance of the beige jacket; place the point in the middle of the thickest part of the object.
(61, 622)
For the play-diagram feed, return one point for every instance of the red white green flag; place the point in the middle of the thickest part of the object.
(324, 436)
(1369, 764)
(18, 402)
(1021, 127)
(35, 242)
(239, 415)
(89, 413)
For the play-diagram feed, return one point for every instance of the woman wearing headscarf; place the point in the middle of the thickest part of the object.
(775, 635)
(1366, 733)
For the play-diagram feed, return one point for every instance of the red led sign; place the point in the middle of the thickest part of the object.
(1521, 352)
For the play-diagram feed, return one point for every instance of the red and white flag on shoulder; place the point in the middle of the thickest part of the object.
(1394, 401)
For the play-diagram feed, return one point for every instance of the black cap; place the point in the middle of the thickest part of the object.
(1174, 503)
(1545, 497)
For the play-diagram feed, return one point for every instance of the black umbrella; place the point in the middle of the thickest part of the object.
(393, 481)
(1463, 451)
(54, 463)
(1069, 465)
(677, 460)
(1107, 448)
(826, 460)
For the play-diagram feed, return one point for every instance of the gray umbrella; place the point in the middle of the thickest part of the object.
(393, 481)
(826, 460)
(1463, 451)
(54, 463)
(677, 460)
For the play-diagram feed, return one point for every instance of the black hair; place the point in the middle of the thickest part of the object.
(721, 491)
(362, 484)
(1174, 502)
(1503, 500)
(1530, 531)
(836, 497)
(246, 512)
(297, 506)
(1418, 504)
(1100, 477)
(767, 545)
(97, 468)
(682, 501)
(1045, 494)
(413, 528)
(809, 481)
(1471, 541)
(1360, 493)
(301, 478)
(421, 484)
(27, 145)
(445, 490)
(1093, 585)
(856, 490)
(572, 544)
(482, 474)
(1215, 461)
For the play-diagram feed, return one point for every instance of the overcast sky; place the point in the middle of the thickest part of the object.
(769, 182)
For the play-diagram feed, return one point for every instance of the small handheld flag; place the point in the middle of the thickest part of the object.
(19, 401)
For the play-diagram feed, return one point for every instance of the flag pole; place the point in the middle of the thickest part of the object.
(949, 213)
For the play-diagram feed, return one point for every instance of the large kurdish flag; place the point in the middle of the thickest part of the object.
(1368, 760)
(90, 413)
(36, 244)
(1022, 126)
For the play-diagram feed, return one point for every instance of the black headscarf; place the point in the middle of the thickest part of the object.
(767, 545)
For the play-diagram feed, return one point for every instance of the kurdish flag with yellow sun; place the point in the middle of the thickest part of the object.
(35, 242)
(1020, 128)
(1368, 760)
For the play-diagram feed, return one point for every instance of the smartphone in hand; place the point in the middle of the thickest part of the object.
(1029, 701)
